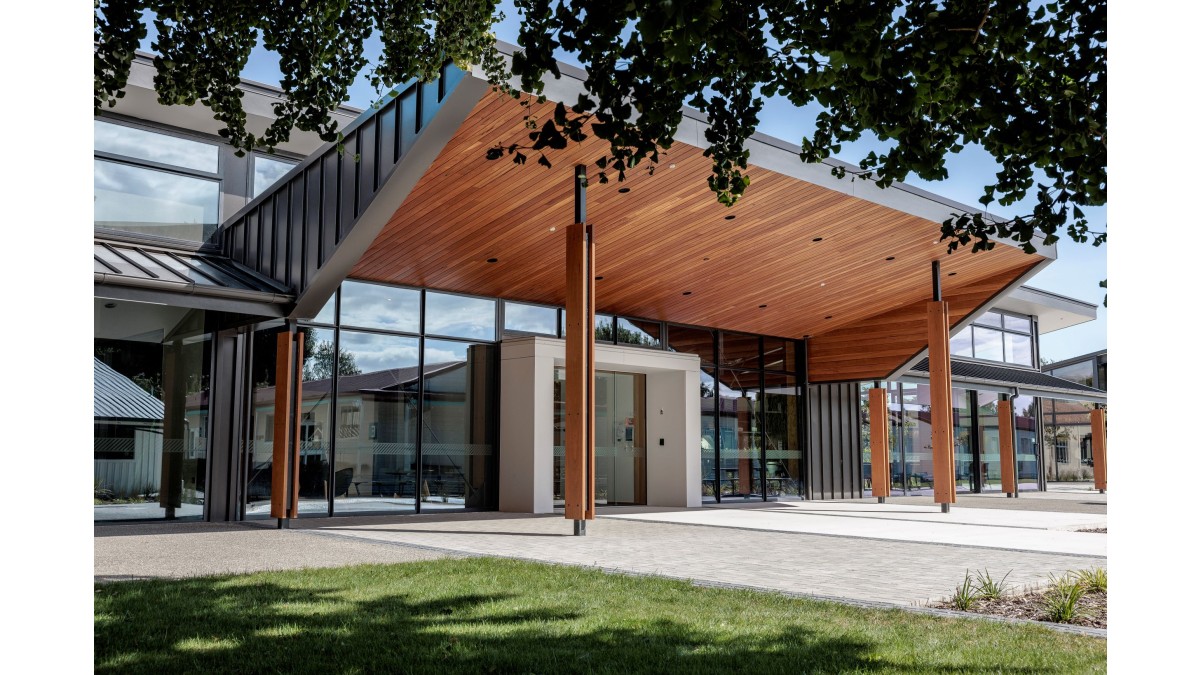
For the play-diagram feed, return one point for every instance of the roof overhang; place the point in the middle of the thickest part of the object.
(658, 236)
(1008, 380)
(1053, 311)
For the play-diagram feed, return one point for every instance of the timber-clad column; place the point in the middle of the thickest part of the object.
(881, 485)
(1100, 449)
(941, 418)
(285, 453)
(580, 460)
(1008, 451)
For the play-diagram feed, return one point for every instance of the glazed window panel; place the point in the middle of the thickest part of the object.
(379, 306)
(151, 146)
(522, 319)
(149, 201)
(460, 316)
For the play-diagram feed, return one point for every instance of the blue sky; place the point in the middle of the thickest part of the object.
(1076, 273)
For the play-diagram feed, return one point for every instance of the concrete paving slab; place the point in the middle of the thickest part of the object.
(1012, 530)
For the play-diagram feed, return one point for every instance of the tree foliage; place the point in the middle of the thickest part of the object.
(1025, 81)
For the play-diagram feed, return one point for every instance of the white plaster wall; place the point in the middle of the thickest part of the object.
(673, 419)
(526, 427)
(527, 418)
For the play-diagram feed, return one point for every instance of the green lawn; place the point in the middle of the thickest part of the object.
(492, 615)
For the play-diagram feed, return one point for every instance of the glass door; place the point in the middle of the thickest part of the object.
(620, 437)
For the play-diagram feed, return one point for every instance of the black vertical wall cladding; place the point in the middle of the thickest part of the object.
(294, 229)
(834, 456)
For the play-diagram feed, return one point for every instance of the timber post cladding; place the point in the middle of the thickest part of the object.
(1008, 458)
(580, 460)
(941, 420)
(1100, 448)
(285, 455)
(881, 485)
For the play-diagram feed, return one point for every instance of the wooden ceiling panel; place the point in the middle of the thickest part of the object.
(665, 236)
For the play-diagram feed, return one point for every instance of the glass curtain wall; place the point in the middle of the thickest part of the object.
(390, 420)
(151, 398)
(976, 437)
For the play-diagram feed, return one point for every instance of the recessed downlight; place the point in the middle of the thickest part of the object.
(706, 260)
(492, 260)
(762, 306)
(829, 317)
(890, 258)
(687, 292)
(600, 278)
(110, 305)
(730, 217)
(952, 274)
(552, 228)
(623, 190)
(818, 238)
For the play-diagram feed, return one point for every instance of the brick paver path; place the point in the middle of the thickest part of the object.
(896, 572)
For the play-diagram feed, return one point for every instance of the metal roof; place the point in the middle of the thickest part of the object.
(1027, 381)
(179, 272)
(117, 397)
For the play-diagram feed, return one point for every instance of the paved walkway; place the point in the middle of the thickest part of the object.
(718, 545)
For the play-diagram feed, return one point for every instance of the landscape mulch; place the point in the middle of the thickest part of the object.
(1093, 608)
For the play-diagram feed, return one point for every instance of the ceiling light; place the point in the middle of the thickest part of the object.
(110, 305)
(952, 274)
(706, 259)
(687, 292)
(890, 257)
(553, 229)
(822, 284)
(672, 166)
(623, 190)
(818, 238)
(599, 278)
(730, 217)
(762, 306)
(829, 317)
(492, 260)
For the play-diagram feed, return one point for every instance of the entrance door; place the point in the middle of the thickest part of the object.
(620, 437)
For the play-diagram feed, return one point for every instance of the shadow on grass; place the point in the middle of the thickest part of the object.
(388, 619)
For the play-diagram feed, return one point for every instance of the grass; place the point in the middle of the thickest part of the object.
(481, 615)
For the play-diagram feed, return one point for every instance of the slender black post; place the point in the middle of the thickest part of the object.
(937, 281)
(580, 193)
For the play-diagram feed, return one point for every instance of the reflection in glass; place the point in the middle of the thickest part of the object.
(1020, 324)
(988, 344)
(326, 315)
(960, 345)
(522, 319)
(375, 457)
(687, 340)
(989, 437)
(638, 332)
(739, 351)
(155, 147)
(379, 306)
(258, 452)
(964, 458)
(778, 354)
(316, 401)
(990, 319)
(1018, 349)
(267, 171)
(1025, 408)
(604, 328)
(620, 437)
(740, 454)
(781, 430)
(708, 434)
(148, 201)
(150, 412)
(457, 444)
(460, 316)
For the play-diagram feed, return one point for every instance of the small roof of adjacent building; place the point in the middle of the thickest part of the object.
(116, 397)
